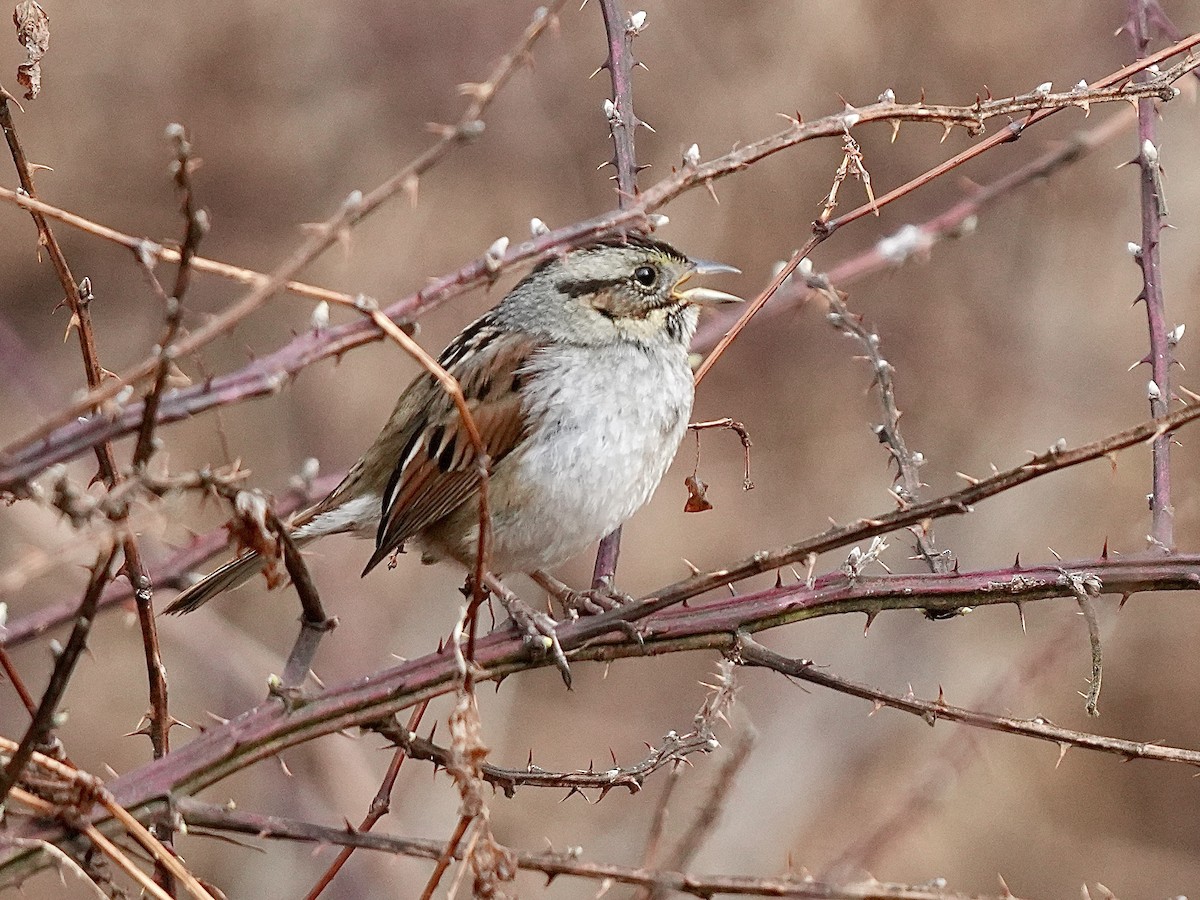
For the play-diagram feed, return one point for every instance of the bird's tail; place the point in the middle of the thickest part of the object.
(233, 573)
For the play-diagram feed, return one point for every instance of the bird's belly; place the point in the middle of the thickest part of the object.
(605, 436)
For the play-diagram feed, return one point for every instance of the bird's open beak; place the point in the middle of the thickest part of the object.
(706, 296)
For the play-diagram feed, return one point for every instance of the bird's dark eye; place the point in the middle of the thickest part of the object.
(646, 276)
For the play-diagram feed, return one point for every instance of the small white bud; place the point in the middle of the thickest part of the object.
(805, 267)
(899, 246)
(1149, 152)
(1154, 69)
(124, 394)
(1152, 390)
(888, 96)
(3, 614)
(319, 320)
(494, 256)
(1176, 334)
(918, 459)
(1044, 88)
(610, 111)
(657, 220)
(1082, 86)
(353, 200)
(537, 227)
(637, 22)
(56, 648)
(969, 225)
(1135, 250)
(309, 469)
(691, 156)
(540, 13)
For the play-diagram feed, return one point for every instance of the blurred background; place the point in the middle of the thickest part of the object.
(1003, 341)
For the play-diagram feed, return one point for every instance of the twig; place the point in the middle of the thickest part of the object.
(87, 787)
(554, 864)
(1154, 211)
(706, 819)
(43, 720)
(622, 121)
(917, 240)
(750, 652)
(172, 571)
(957, 752)
(314, 624)
(674, 747)
(354, 209)
(78, 297)
(380, 806)
(620, 30)
(63, 436)
(195, 227)
(264, 732)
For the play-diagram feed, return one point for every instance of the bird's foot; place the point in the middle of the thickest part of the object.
(538, 630)
(575, 603)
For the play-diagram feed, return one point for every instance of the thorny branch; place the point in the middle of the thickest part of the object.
(380, 806)
(672, 748)
(906, 485)
(1143, 15)
(749, 652)
(62, 437)
(78, 297)
(622, 122)
(44, 719)
(553, 864)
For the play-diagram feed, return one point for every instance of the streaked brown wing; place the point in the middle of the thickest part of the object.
(436, 469)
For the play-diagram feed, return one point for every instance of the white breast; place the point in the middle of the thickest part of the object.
(607, 423)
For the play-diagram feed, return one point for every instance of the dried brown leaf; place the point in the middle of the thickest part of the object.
(33, 33)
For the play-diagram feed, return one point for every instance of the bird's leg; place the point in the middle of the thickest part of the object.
(581, 603)
(537, 629)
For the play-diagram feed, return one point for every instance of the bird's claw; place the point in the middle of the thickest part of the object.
(593, 602)
(539, 633)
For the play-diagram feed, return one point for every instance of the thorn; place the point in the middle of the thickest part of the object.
(712, 192)
(870, 618)
(1062, 751)
(1125, 596)
(1021, 615)
(1104, 552)
(1017, 561)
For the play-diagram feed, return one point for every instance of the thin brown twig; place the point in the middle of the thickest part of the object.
(89, 786)
(78, 297)
(554, 864)
(750, 652)
(380, 806)
(62, 436)
(64, 667)
(354, 209)
(195, 226)
(684, 851)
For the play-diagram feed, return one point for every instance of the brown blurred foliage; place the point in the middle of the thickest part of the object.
(1003, 341)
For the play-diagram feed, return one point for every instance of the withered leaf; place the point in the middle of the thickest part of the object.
(33, 33)
(696, 501)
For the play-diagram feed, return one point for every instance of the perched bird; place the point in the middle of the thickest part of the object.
(579, 384)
